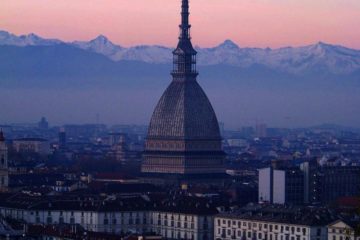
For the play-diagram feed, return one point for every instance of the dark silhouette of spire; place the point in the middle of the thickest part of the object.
(185, 27)
(184, 54)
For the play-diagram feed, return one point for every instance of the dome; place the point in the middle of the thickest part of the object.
(184, 113)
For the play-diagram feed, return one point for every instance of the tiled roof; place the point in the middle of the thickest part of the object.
(184, 112)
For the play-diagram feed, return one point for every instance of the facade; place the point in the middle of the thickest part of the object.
(121, 216)
(4, 171)
(272, 223)
(309, 184)
(184, 136)
(32, 145)
(280, 186)
(325, 184)
(343, 230)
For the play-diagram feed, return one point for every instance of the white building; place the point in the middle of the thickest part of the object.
(270, 223)
(343, 230)
(128, 215)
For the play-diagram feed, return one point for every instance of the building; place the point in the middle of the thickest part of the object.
(32, 145)
(260, 130)
(308, 184)
(181, 218)
(62, 138)
(344, 230)
(280, 186)
(4, 171)
(120, 151)
(184, 136)
(325, 184)
(273, 222)
(43, 124)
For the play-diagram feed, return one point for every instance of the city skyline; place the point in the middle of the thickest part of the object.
(261, 23)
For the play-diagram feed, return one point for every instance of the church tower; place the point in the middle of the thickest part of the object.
(183, 136)
(4, 173)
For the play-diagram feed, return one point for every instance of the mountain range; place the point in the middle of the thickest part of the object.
(319, 57)
(310, 85)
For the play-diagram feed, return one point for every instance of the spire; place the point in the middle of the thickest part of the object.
(185, 27)
(184, 54)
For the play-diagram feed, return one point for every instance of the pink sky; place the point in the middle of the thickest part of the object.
(253, 23)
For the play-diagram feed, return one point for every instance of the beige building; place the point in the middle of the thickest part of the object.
(343, 230)
(32, 145)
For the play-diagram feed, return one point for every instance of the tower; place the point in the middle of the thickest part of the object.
(4, 173)
(183, 136)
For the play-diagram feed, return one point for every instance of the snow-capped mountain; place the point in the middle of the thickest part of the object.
(149, 54)
(317, 58)
(100, 45)
(25, 40)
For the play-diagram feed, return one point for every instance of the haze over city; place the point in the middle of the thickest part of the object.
(318, 77)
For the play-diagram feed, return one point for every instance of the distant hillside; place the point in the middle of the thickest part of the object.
(309, 85)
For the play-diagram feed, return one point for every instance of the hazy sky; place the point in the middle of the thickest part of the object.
(258, 23)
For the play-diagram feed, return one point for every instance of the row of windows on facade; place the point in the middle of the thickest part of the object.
(165, 145)
(130, 220)
(341, 238)
(255, 235)
(250, 225)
